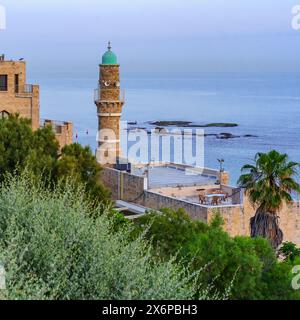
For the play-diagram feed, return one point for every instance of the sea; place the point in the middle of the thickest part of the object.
(265, 107)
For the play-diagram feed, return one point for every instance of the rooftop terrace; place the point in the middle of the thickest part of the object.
(170, 175)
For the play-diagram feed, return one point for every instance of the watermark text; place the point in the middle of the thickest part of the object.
(296, 17)
(2, 18)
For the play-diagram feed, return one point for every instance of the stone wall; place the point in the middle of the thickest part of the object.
(289, 219)
(237, 219)
(124, 186)
(63, 131)
(111, 180)
(65, 134)
(290, 222)
(157, 201)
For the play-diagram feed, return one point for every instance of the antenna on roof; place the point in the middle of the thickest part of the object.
(221, 161)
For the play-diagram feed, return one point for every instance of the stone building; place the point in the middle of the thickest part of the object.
(109, 101)
(16, 96)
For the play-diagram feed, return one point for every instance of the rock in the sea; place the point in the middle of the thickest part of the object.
(226, 135)
(250, 136)
(190, 124)
(171, 123)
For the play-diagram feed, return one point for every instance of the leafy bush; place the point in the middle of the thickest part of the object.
(249, 266)
(52, 249)
(289, 251)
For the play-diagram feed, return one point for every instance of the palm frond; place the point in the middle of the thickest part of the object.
(270, 182)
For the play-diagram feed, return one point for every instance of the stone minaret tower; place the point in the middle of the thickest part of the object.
(109, 106)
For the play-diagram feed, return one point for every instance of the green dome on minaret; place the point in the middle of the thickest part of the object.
(109, 57)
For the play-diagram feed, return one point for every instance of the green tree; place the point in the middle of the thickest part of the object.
(248, 266)
(79, 163)
(269, 183)
(38, 151)
(43, 155)
(289, 251)
(169, 230)
(21, 147)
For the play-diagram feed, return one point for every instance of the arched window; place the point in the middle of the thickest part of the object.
(4, 114)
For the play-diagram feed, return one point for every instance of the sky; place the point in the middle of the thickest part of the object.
(152, 37)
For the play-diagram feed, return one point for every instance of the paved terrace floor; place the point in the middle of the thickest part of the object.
(169, 176)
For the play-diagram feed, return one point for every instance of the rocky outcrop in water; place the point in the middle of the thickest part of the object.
(190, 124)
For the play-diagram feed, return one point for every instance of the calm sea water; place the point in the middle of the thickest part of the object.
(265, 106)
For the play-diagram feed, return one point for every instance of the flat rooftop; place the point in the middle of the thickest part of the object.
(130, 210)
(174, 175)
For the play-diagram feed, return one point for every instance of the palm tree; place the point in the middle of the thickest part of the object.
(269, 183)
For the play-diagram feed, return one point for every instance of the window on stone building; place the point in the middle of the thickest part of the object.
(4, 114)
(16, 83)
(58, 129)
(3, 82)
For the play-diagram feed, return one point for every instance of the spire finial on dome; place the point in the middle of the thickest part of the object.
(109, 57)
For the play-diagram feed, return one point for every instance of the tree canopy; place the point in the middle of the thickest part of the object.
(21, 147)
(247, 266)
(38, 151)
(270, 181)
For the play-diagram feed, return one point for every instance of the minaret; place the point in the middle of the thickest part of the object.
(109, 106)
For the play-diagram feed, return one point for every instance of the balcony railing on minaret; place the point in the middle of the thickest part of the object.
(98, 94)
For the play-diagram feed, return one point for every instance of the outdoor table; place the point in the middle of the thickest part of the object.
(219, 195)
(215, 195)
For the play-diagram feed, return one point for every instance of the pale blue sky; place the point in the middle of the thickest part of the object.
(67, 38)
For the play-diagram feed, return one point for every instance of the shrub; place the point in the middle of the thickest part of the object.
(52, 249)
(248, 266)
(289, 251)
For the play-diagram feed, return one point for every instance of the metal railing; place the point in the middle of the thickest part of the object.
(26, 88)
(99, 95)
